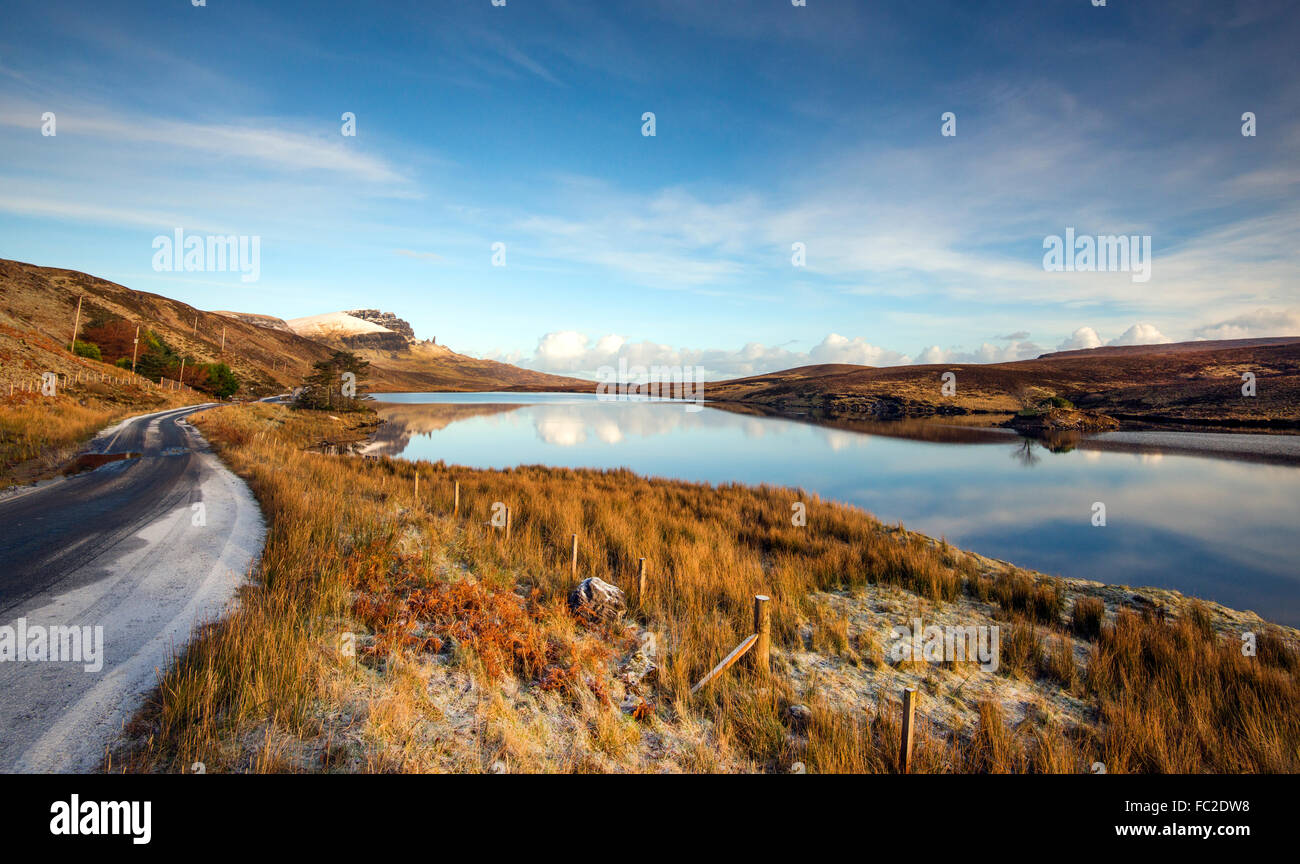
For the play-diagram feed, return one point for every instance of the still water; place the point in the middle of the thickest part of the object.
(1205, 524)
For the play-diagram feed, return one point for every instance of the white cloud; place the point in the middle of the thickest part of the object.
(562, 430)
(986, 353)
(564, 351)
(1140, 334)
(1261, 322)
(574, 353)
(1084, 337)
(268, 144)
(571, 352)
(46, 206)
(840, 349)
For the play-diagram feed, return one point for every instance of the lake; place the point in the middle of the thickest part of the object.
(1199, 522)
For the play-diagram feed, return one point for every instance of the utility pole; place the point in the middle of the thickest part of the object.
(76, 325)
(182, 370)
(196, 325)
(135, 343)
(223, 341)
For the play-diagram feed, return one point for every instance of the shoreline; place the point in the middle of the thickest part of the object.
(1114, 441)
(1275, 446)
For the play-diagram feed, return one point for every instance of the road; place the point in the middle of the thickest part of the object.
(146, 548)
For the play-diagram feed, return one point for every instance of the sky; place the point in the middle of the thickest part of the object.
(774, 125)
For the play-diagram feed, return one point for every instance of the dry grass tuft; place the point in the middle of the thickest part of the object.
(1086, 617)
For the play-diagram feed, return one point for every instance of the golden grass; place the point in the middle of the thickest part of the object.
(352, 549)
(1087, 615)
(1173, 700)
(34, 425)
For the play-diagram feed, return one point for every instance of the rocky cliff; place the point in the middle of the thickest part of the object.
(387, 320)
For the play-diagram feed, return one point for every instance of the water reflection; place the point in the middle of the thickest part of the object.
(1215, 527)
(1024, 452)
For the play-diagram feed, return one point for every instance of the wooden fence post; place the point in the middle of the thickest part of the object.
(909, 726)
(640, 582)
(763, 629)
(417, 485)
(574, 565)
(507, 524)
(455, 499)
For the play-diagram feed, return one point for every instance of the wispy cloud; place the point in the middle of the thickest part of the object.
(423, 256)
(265, 144)
(1251, 325)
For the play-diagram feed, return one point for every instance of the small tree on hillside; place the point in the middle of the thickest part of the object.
(155, 357)
(215, 378)
(114, 337)
(334, 384)
(88, 350)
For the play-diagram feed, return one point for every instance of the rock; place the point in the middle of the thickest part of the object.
(641, 665)
(798, 716)
(637, 670)
(387, 320)
(597, 599)
(377, 341)
(1153, 604)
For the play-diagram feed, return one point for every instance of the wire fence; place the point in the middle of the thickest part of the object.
(46, 385)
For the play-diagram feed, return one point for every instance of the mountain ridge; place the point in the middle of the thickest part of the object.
(1180, 383)
(38, 307)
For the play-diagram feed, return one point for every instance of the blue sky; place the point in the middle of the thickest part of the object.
(775, 125)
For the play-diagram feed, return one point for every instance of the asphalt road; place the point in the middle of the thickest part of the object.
(146, 548)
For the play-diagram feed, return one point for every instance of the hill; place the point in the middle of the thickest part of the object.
(341, 330)
(411, 364)
(260, 320)
(42, 301)
(1188, 383)
(268, 355)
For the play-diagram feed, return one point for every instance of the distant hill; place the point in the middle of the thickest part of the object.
(412, 364)
(1171, 347)
(1177, 383)
(269, 355)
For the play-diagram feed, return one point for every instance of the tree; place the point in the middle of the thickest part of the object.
(334, 384)
(113, 336)
(88, 350)
(215, 378)
(155, 357)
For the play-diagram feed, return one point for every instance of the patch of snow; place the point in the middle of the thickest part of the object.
(333, 324)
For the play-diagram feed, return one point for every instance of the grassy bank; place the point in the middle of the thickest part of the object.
(466, 658)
